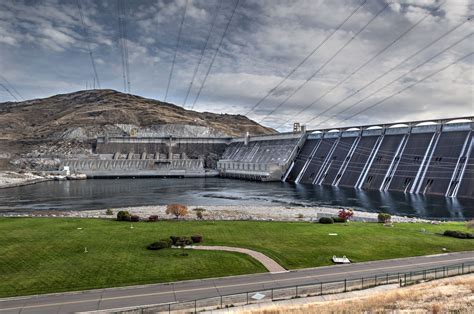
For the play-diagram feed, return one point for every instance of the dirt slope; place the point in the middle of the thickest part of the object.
(92, 112)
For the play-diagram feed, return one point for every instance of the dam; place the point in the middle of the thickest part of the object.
(418, 157)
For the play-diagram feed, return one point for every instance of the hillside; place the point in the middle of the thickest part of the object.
(85, 114)
(37, 132)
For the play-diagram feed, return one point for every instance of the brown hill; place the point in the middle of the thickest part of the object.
(93, 112)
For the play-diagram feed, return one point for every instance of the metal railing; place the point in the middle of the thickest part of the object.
(318, 288)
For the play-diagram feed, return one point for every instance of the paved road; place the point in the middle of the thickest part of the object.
(188, 290)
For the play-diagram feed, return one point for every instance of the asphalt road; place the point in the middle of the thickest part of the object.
(113, 298)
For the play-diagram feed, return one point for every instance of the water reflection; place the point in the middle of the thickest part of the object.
(95, 194)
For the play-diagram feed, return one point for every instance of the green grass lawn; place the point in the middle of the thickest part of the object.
(42, 255)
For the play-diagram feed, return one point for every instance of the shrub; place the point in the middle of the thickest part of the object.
(178, 241)
(339, 220)
(458, 234)
(300, 216)
(199, 211)
(384, 217)
(174, 239)
(183, 241)
(109, 212)
(162, 244)
(177, 210)
(153, 218)
(326, 220)
(345, 214)
(123, 215)
(134, 218)
(197, 238)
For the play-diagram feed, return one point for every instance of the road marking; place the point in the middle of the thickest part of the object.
(223, 286)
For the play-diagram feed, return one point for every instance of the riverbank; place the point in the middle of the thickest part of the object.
(9, 179)
(227, 212)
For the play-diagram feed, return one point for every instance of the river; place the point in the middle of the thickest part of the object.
(113, 193)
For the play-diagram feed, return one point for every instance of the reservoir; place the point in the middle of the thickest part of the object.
(114, 193)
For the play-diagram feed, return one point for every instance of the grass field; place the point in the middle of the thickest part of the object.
(42, 255)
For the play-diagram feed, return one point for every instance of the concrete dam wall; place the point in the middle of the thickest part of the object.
(208, 149)
(427, 159)
(264, 158)
(97, 168)
(129, 156)
(424, 157)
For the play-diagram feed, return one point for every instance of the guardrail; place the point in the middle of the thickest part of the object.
(305, 290)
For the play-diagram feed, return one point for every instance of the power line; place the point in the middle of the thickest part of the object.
(8, 91)
(86, 35)
(176, 50)
(396, 79)
(122, 52)
(409, 86)
(202, 52)
(306, 58)
(324, 64)
(393, 42)
(12, 88)
(123, 46)
(125, 36)
(215, 54)
(388, 71)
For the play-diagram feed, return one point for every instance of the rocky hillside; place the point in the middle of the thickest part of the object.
(85, 114)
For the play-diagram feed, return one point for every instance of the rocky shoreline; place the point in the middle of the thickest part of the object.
(233, 212)
(10, 179)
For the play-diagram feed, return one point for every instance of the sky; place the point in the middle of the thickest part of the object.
(322, 63)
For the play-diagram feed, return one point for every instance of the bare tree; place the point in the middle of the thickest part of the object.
(177, 210)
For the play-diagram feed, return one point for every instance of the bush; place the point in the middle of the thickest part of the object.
(183, 241)
(384, 217)
(326, 220)
(177, 210)
(199, 211)
(178, 241)
(345, 214)
(123, 215)
(134, 218)
(109, 212)
(174, 239)
(339, 220)
(458, 234)
(162, 244)
(153, 218)
(197, 238)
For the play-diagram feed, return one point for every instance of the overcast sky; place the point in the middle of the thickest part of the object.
(44, 51)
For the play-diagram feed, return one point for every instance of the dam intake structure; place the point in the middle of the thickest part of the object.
(419, 157)
(413, 157)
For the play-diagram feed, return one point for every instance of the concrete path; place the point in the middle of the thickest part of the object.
(266, 261)
(123, 297)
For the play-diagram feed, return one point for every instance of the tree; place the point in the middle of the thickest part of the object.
(384, 218)
(177, 210)
(199, 211)
(123, 215)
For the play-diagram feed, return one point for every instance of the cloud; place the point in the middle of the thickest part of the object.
(45, 50)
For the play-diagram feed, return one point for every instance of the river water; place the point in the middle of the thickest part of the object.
(105, 193)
